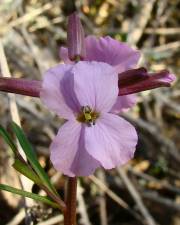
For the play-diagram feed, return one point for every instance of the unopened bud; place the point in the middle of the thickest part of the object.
(75, 38)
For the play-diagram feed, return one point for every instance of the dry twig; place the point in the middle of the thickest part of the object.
(136, 196)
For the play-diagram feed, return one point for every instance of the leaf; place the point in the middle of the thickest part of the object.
(8, 139)
(26, 171)
(32, 157)
(28, 195)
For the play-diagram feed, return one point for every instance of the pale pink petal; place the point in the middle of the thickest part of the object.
(95, 85)
(111, 51)
(112, 140)
(63, 53)
(123, 103)
(57, 91)
(83, 164)
(68, 153)
(169, 78)
(108, 50)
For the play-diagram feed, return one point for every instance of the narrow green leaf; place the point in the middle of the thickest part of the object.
(28, 195)
(26, 171)
(8, 139)
(32, 157)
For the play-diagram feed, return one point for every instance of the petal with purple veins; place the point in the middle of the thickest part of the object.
(63, 54)
(108, 50)
(95, 85)
(124, 103)
(112, 140)
(111, 51)
(68, 153)
(57, 91)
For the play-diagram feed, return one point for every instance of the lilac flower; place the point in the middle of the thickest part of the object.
(84, 94)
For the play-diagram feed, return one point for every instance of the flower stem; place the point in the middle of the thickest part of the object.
(70, 200)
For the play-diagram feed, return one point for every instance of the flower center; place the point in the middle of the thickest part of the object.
(87, 116)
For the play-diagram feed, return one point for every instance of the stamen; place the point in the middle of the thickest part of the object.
(87, 116)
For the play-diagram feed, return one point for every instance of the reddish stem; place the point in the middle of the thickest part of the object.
(70, 200)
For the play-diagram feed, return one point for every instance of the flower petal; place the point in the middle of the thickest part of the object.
(111, 141)
(164, 76)
(68, 153)
(111, 51)
(123, 103)
(63, 54)
(95, 85)
(57, 91)
(108, 50)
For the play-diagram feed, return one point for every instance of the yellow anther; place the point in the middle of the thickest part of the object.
(87, 113)
(87, 116)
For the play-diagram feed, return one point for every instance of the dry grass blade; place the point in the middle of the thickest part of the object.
(165, 202)
(114, 197)
(136, 196)
(82, 206)
(18, 218)
(102, 200)
(163, 31)
(30, 16)
(141, 19)
(54, 220)
(110, 193)
(173, 46)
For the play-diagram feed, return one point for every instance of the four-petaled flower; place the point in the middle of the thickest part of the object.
(86, 94)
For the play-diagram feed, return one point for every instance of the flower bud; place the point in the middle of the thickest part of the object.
(75, 38)
(20, 86)
(137, 80)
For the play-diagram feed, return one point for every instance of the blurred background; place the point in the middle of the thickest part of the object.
(146, 190)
